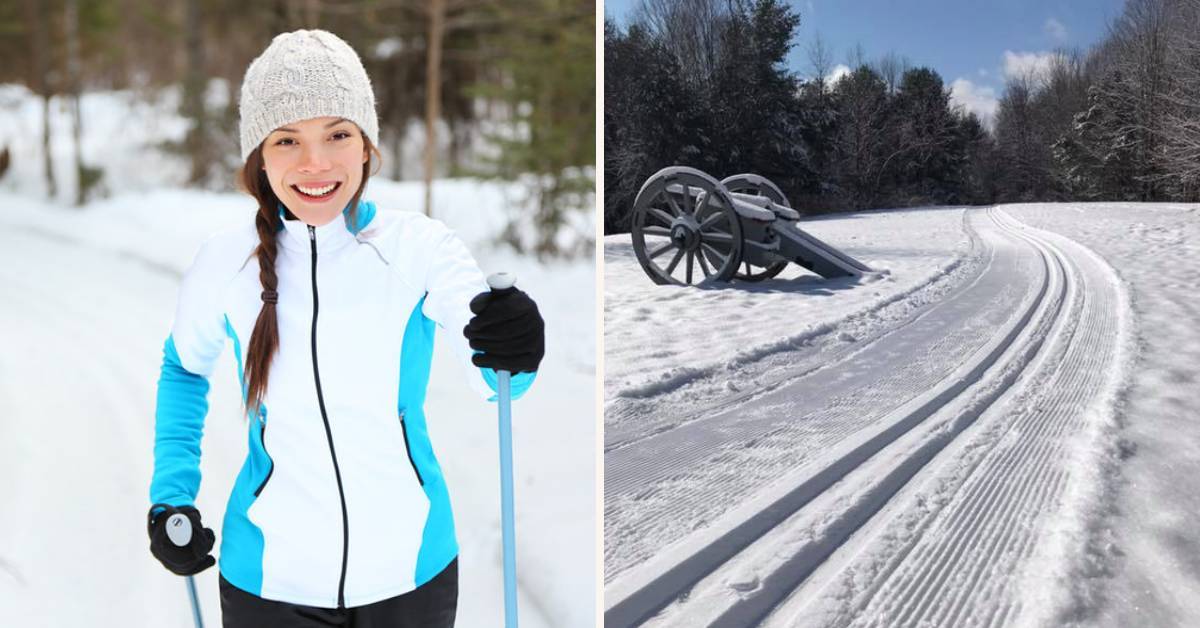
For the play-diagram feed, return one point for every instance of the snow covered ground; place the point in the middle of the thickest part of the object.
(990, 430)
(88, 299)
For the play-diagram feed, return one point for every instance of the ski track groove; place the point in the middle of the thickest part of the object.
(959, 527)
(1010, 370)
(841, 417)
(966, 524)
(1080, 369)
(965, 576)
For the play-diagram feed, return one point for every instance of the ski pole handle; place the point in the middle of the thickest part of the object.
(179, 529)
(503, 281)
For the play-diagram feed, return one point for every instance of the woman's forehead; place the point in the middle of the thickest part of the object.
(318, 124)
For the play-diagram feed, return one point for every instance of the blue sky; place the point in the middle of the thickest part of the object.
(973, 45)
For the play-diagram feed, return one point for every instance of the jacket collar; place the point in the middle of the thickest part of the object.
(332, 235)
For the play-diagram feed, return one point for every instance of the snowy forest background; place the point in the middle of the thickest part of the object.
(475, 88)
(703, 83)
(118, 148)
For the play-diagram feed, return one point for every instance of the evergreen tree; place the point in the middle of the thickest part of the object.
(930, 162)
(549, 64)
(864, 139)
(649, 119)
(754, 99)
(1098, 155)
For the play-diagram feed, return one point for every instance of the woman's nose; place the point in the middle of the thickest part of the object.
(313, 159)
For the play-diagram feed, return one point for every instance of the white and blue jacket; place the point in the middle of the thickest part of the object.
(341, 501)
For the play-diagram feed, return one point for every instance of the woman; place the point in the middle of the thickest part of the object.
(340, 514)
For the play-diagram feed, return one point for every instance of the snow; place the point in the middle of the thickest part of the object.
(1143, 558)
(651, 340)
(994, 432)
(89, 294)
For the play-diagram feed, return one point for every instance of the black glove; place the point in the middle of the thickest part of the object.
(508, 329)
(189, 559)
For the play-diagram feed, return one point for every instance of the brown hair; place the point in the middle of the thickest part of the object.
(264, 340)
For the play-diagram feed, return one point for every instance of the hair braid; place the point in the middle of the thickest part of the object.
(264, 341)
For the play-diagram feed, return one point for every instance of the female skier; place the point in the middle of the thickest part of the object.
(340, 514)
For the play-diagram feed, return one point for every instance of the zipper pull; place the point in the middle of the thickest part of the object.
(312, 233)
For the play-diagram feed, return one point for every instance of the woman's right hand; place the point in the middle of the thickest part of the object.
(185, 560)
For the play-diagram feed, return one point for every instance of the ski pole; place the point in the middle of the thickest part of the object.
(179, 530)
(501, 281)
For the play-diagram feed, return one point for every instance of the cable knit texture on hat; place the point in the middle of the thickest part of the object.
(301, 75)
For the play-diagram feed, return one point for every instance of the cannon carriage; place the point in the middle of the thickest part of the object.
(690, 229)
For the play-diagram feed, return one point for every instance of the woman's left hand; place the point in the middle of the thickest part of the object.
(508, 329)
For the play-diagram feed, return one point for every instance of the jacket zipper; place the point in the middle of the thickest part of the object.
(262, 437)
(312, 238)
(408, 450)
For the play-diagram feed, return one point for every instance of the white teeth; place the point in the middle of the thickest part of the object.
(316, 191)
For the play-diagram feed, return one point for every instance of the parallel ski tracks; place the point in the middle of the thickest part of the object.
(656, 486)
(1015, 480)
(1022, 480)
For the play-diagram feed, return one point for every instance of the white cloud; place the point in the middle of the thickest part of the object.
(978, 98)
(1055, 29)
(1035, 65)
(836, 73)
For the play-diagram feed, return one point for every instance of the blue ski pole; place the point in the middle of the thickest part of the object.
(179, 530)
(501, 281)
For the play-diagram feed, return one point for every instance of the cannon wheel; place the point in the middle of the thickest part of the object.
(690, 215)
(759, 186)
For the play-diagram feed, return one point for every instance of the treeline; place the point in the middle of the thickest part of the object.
(703, 83)
(1120, 122)
(496, 80)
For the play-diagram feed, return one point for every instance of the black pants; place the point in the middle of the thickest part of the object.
(431, 605)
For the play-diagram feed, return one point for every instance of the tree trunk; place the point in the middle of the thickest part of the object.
(433, 93)
(71, 26)
(398, 134)
(39, 46)
(193, 93)
(312, 13)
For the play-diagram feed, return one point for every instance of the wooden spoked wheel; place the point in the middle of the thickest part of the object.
(757, 186)
(685, 229)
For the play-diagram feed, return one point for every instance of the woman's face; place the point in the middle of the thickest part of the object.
(315, 166)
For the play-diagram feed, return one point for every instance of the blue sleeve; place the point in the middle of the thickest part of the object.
(518, 383)
(178, 426)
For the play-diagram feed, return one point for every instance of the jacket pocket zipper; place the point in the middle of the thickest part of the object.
(408, 450)
(262, 436)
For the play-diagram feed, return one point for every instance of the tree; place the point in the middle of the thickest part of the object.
(929, 161)
(649, 119)
(39, 46)
(1181, 124)
(862, 145)
(549, 63)
(756, 121)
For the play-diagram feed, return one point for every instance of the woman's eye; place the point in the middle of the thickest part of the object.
(341, 135)
(282, 141)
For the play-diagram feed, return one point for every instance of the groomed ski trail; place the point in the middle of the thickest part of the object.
(1029, 387)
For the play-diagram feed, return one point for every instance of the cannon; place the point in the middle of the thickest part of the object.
(690, 229)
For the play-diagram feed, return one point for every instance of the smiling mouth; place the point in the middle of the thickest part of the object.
(328, 192)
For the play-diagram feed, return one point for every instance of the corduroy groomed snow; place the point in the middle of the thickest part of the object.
(305, 74)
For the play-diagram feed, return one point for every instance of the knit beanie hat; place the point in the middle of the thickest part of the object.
(301, 75)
